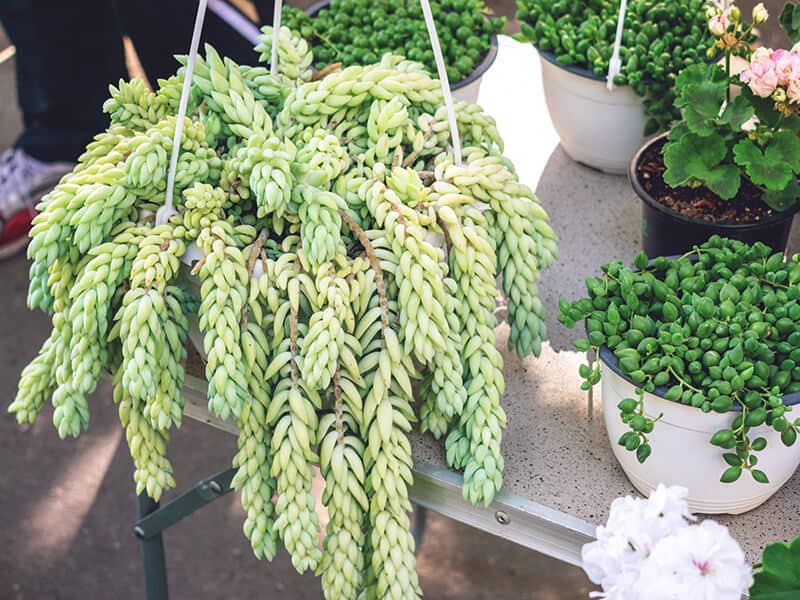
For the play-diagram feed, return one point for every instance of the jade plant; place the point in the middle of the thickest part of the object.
(659, 39)
(724, 139)
(360, 32)
(716, 329)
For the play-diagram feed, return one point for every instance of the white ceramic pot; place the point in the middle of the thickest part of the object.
(468, 88)
(598, 128)
(682, 454)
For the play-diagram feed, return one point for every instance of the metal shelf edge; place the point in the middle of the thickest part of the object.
(510, 517)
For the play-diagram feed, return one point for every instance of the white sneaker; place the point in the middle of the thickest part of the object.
(23, 181)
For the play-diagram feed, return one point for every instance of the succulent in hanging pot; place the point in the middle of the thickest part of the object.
(699, 356)
(359, 32)
(338, 255)
(575, 40)
(730, 164)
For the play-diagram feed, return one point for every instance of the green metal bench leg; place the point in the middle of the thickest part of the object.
(155, 565)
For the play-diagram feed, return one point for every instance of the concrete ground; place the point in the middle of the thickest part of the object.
(67, 506)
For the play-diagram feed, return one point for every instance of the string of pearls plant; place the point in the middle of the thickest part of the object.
(344, 258)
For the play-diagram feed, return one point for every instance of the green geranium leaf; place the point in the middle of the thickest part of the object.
(701, 92)
(737, 113)
(785, 146)
(677, 132)
(699, 157)
(763, 168)
(764, 107)
(695, 74)
(779, 578)
(724, 181)
(784, 199)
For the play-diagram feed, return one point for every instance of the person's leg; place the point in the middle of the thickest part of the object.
(161, 29)
(67, 54)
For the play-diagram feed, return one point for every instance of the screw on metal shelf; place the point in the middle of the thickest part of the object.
(138, 531)
(215, 487)
(502, 517)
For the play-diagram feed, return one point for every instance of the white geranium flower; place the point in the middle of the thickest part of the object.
(702, 562)
(668, 510)
(633, 529)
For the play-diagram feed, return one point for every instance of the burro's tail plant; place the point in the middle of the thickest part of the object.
(716, 329)
(738, 128)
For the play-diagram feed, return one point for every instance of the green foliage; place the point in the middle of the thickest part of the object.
(790, 21)
(696, 158)
(778, 577)
(361, 31)
(709, 147)
(375, 281)
(775, 164)
(660, 38)
(716, 330)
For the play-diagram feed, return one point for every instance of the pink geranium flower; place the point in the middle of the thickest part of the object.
(787, 65)
(762, 76)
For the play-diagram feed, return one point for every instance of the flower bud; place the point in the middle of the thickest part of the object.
(779, 95)
(717, 25)
(760, 14)
(734, 13)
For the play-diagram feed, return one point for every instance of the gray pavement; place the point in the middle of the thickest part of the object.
(67, 506)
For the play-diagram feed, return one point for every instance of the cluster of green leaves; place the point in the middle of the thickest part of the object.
(659, 39)
(708, 146)
(718, 330)
(778, 575)
(790, 21)
(361, 31)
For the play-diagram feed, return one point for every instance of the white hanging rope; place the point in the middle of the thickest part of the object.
(448, 98)
(276, 31)
(615, 64)
(168, 209)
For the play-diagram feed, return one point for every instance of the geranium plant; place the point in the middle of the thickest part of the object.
(715, 330)
(726, 138)
(652, 550)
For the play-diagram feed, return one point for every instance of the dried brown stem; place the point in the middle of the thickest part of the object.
(338, 406)
(293, 343)
(198, 265)
(327, 71)
(425, 136)
(251, 267)
(365, 241)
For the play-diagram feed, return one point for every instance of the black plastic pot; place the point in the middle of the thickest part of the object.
(666, 232)
(483, 66)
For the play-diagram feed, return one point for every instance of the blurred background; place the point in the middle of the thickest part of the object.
(68, 506)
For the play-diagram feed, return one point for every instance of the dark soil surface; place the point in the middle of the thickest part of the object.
(699, 203)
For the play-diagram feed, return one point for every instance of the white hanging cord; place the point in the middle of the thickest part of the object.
(448, 98)
(168, 209)
(615, 65)
(276, 32)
